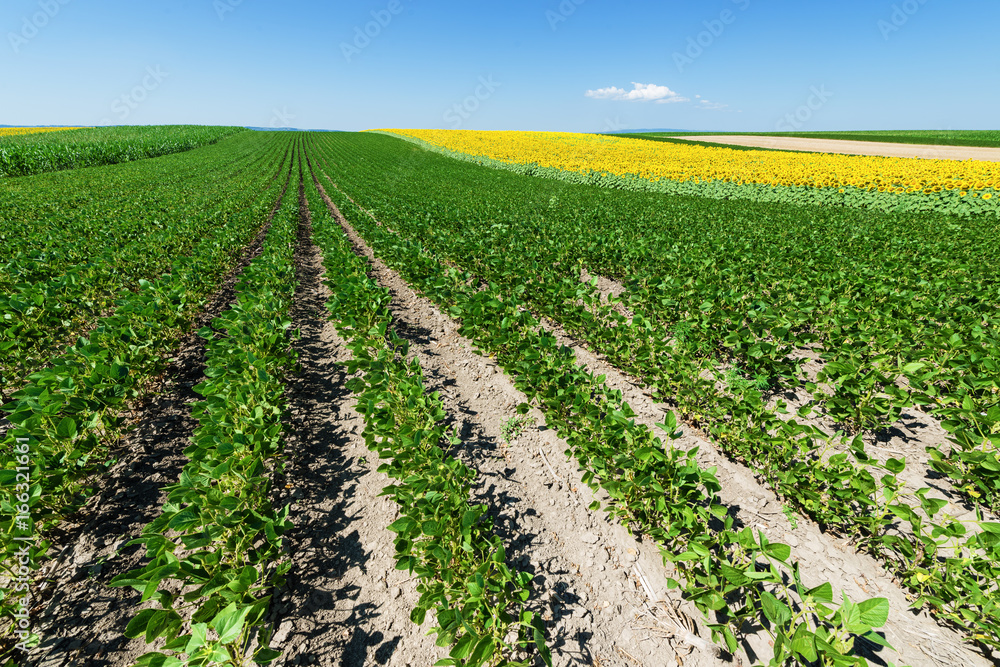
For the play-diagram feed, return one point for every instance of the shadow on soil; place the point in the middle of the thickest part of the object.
(323, 546)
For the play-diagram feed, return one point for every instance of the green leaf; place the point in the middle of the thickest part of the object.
(66, 429)
(229, 622)
(137, 626)
(161, 623)
(895, 466)
(780, 551)
(463, 647)
(775, 610)
(199, 635)
(483, 652)
(247, 578)
(265, 655)
(719, 511)
(418, 614)
(538, 634)
(904, 512)
(475, 588)
(185, 519)
(804, 643)
(731, 644)
(221, 654)
(157, 660)
(872, 613)
(403, 525)
(732, 575)
(823, 592)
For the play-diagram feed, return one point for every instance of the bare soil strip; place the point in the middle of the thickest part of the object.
(586, 583)
(920, 639)
(554, 525)
(908, 437)
(80, 617)
(83, 619)
(856, 147)
(344, 602)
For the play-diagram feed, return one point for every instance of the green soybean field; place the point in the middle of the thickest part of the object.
(297, 398)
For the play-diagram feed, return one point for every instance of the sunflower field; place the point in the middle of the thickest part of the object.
(20, 131)
(890, 184)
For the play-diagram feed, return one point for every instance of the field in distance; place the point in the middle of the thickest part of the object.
(28, 151)
(983, 138)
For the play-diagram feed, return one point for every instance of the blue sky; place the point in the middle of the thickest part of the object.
(573, 65)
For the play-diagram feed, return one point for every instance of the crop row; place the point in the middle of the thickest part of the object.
(39, 152)
(219, 538)
(478, 602)
(67, 418)
(950, 565)
(130, 200)
(59, 273)
(734, 575)
(885, 300)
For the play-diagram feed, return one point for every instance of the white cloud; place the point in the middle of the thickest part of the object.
(705, 104)
(641, 92)
(611, 93)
